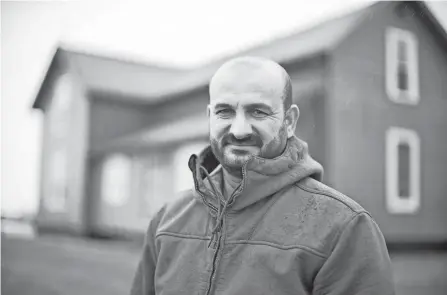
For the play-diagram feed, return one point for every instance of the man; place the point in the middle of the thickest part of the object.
(258, 220)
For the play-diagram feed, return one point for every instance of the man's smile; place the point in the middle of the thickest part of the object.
(242, 149)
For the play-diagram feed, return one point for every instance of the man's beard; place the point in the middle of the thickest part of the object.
(231, 160)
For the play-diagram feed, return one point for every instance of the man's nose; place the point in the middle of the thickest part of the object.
(240, 127)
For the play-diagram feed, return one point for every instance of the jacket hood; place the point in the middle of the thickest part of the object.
(261, 177)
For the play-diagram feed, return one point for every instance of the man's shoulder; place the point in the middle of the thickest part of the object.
(329, 195)
(314, 215)
(178, 213)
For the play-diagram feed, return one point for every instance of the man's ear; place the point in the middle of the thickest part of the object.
(208, 110)
(291, 120)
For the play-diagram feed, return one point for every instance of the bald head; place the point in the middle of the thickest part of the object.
(250, 111)
(254, 73)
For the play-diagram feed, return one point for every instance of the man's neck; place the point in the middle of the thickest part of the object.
(231, 181)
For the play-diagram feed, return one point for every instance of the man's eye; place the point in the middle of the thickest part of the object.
(259, 113)
(224, 112)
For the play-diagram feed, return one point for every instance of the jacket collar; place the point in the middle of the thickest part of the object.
(261, 177)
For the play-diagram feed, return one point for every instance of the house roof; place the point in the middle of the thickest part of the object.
(285, 49)
(122, 77)
(319, 39)
(151, 83)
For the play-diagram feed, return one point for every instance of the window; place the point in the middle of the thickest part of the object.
(402, 170)
(155, 183)
(56, 197)
(402, 73)
(403, 163)
(402, 66)
(116, 177)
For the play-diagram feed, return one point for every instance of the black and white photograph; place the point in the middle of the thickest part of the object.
(231, 147)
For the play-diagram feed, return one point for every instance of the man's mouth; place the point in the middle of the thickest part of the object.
(242, 148)
(242, 143)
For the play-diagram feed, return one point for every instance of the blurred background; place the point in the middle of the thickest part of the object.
(102, 103)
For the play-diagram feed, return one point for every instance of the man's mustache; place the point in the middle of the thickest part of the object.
(252, 140)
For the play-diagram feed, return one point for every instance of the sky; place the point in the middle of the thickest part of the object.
(179, 33)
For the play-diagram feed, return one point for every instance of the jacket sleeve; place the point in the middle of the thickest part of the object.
(143, 282)
(359, 262)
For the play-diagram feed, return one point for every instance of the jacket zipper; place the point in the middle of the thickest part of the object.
(215, 262)
(219, 233)
(219, 241)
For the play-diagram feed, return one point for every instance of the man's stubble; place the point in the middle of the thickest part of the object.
(230, 161)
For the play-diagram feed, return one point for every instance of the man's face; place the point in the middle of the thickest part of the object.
(246, 116)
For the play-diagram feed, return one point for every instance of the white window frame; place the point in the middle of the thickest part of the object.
(396, 204)
(393, 37)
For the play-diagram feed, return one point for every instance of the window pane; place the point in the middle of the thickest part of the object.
(116, 180)
(403, 150)
(402, 66)
(155, 184)
(402, 76)
(402, 51)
